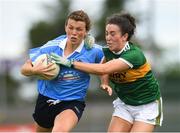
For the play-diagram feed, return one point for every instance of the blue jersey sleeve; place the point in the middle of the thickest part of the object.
(34, 53)
(99, 56)
(47, 48)
(93, 55)
(99, 53)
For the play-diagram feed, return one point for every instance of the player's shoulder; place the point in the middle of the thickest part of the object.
(135, 50)
(97, 46)
(134, 46)
(105, 47)
(54, 42)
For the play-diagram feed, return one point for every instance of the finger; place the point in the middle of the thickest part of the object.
(49, 68)
(103, 86)
(54, 55)
(29, 61)
(50, 64)
(109, 91)
(44, 77)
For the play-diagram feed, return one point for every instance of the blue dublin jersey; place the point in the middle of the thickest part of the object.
(70, 84)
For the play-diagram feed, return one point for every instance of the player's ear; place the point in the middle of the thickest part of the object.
(125, 36)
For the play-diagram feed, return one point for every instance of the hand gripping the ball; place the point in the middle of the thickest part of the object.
(45, 68)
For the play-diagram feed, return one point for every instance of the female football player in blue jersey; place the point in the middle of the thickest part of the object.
(60, 102)
(138, 107)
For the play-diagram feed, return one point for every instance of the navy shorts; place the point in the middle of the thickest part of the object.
(47, 109)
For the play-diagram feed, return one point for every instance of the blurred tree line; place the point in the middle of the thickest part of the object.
(43, 31)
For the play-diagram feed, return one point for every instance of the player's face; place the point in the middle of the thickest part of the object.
(76, 31)
(114, 39)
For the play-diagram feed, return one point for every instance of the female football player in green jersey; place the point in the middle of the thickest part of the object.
(138, 107)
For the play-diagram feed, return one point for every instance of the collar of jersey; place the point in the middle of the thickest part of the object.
(62, 45)
(126, 47)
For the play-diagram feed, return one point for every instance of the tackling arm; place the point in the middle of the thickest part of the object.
(115, 65)
(109, 67)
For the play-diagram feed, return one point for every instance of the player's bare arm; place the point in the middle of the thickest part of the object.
(106, 68)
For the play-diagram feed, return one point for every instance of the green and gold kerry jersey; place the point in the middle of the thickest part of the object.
(137, 85)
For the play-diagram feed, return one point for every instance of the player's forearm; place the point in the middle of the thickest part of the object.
(104, 79)
(90, 68)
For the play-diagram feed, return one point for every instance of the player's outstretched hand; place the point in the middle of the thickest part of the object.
(61, 60)
(107, 88)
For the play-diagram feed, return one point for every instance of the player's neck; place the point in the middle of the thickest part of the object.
(70, 48)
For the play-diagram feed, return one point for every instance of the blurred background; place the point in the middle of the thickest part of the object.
(25, 24)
